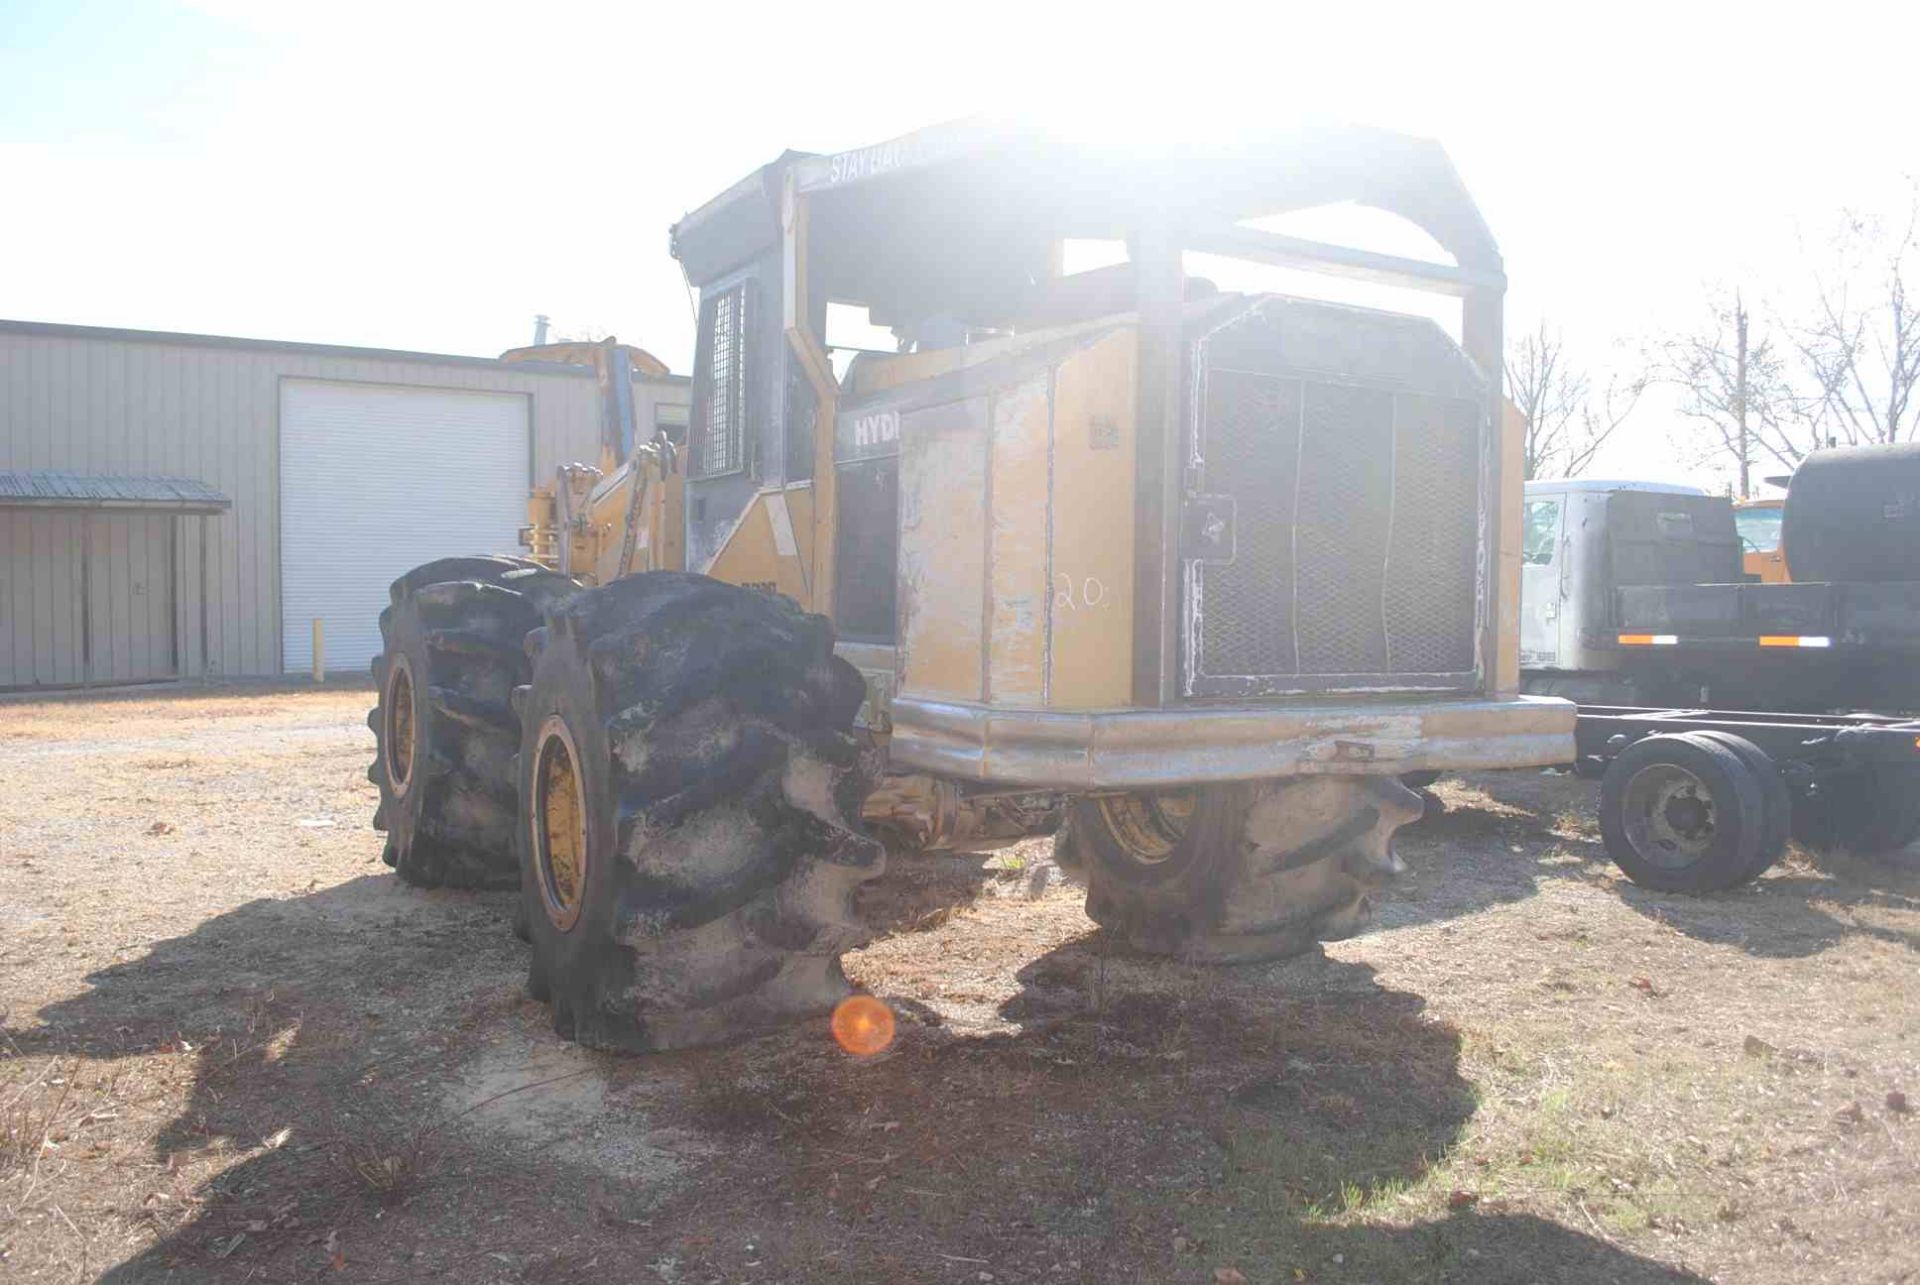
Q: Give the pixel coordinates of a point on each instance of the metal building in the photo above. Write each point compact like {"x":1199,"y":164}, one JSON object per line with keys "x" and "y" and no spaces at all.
{"x":178,"y":505}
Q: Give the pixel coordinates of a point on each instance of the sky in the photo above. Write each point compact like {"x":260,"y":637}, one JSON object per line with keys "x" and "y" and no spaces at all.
{"x":430,"y":176}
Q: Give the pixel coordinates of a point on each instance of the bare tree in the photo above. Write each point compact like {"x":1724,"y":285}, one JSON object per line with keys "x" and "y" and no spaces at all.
{"x":1567,"y":423}
{"x":1849,"y":372}
{"x":1861,"y":360}
{"x":1733,"y":385}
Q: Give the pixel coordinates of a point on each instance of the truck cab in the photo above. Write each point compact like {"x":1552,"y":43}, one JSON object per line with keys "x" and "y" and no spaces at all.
{"x":1635,"y":593}
{"x":1579,"y":537}
{"x":1763,"y":554}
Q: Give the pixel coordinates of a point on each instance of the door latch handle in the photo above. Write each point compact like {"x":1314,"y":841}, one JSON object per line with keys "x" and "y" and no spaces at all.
{"x":1206,"y":528}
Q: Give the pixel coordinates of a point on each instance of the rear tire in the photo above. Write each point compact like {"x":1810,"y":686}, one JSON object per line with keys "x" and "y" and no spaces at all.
{"x":444,"y":729}
{"x":1776,"y":804}
{"x":1870,"y":813}
{"x":1681,"y":814}
{"x":687,"y":774}
{"x":1240,"y":872}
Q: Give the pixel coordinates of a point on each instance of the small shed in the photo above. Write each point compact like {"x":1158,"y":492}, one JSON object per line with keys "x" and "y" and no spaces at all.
{"x":95,"y":580}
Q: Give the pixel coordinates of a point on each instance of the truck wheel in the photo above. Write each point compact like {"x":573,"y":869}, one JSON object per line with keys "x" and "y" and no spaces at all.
{"x":1869,"y":813}
{"x":443,"y":729}
{"x":1682,"y":815}
{"x":687,"y":775}
{"x":1776,"y":803}
{"x":1239,"y":872}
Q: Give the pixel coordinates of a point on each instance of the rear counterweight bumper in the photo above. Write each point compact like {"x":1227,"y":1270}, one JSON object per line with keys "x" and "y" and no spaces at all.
{"x":1193,"y":745}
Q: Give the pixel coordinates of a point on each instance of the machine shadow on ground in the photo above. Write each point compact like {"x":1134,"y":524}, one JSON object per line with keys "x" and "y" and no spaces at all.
{"x":1503,"y":832}
{"x":355,"y":1079}
{"x":1494,"y":838}
{"x":1794,"y":912}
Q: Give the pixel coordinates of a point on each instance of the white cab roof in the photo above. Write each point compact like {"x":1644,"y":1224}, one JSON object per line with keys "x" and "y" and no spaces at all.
{"x":1558,"y":485}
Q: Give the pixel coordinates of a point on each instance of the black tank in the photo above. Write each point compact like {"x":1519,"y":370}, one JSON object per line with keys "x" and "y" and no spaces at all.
{"x":1854,"y":514}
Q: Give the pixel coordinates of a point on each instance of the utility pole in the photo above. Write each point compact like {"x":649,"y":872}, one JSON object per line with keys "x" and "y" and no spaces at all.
{"x":1740,"y":387}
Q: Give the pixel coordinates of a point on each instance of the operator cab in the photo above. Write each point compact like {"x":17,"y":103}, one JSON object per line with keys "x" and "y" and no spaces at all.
{"x":952,"y":241}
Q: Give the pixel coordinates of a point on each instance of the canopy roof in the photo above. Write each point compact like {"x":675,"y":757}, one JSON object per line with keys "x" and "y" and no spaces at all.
{"x":962,"y":219}
{"x":53,"y":488}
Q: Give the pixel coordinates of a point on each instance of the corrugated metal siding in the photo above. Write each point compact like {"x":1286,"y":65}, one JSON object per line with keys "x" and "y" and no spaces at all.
{"x":132,"y":406}
{"x":40,"y":597}
{"x":130,"y":597}
{"x":86,"y":596}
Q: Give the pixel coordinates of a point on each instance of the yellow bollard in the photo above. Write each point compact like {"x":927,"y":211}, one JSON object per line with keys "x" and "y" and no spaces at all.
{"x":319,"y":651}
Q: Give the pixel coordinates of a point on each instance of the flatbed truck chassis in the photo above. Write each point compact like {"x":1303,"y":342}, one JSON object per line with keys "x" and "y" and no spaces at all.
{"x":1699,"y":800}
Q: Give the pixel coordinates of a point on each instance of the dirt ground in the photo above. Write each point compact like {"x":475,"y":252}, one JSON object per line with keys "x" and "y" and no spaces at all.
{"x":233,"y":1048}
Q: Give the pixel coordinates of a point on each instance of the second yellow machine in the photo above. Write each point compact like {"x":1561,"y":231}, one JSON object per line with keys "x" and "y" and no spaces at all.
{"x":1190,"y":577}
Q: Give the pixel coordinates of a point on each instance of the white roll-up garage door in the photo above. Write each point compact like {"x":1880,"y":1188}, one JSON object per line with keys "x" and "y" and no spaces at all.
{"x":375,"y":480}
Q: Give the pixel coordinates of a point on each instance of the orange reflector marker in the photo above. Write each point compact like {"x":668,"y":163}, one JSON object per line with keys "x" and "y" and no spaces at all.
{"x":862,"y":1025}
{"x":1794,"y":640}
{"x":1649,"y":640}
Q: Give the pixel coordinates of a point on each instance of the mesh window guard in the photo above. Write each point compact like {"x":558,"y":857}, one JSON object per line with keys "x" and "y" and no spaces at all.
{"x":722,"y":445}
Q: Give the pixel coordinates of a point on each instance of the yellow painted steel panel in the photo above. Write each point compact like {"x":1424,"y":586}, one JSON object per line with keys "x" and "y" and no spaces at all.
{"x":766,"y":549}
{"x":872,"y":374}
{"x":800,"y":508}
{"x":1017,"y":625}
{"x":1091,"y":578}
{"x":943,"y":545}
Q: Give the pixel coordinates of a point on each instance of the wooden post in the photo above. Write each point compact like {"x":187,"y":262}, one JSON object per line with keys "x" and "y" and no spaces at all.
{"x":319,"y":651}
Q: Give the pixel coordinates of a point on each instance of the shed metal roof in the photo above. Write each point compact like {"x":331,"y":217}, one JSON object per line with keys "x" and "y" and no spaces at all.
{"x":58,"y":330}
{"x":54,"y":488}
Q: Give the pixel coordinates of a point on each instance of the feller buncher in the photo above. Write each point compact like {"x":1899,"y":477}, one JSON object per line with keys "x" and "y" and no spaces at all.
{"x":1193,"y":577}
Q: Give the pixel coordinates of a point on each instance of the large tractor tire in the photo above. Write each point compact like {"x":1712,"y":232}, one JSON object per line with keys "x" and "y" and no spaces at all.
{"x":688,"y":778}
{"x":1238,"y":873}
{"x":445,"y":731}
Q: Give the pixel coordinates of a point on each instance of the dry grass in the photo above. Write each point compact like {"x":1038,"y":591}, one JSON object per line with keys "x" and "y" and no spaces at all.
{"x":234,"y":1049}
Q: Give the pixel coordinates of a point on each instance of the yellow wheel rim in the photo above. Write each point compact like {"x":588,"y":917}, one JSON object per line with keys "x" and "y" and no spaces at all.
{"x":559,"y":825}
{"x":401,"y":724}
{"x":1148,"y":827}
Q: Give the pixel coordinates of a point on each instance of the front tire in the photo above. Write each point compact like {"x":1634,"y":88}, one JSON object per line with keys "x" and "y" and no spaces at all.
{"x":1239,"y":872}
{"x":687,"y":772}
